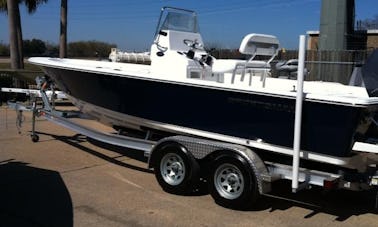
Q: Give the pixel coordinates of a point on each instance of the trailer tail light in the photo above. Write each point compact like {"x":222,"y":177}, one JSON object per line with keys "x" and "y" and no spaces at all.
{"x":374,"y":176}
{"x":331,"y":183}
{"x":374,"y":181}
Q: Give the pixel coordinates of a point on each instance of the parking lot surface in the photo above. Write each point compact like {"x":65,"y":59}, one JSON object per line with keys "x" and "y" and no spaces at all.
{"x":66,"y":179}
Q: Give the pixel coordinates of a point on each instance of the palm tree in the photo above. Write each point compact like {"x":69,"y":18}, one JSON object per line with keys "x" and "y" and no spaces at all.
{"x":15,"y":29}
{"x":63,"y":29}
{"x":12,"y":9}
{"x":31,"y":6}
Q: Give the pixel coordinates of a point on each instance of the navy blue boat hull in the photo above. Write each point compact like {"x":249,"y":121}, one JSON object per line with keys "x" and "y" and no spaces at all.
{"x":327,"y":128}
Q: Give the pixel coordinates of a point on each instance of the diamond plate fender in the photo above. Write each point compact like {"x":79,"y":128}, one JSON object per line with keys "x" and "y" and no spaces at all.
{"x":200,"y":148}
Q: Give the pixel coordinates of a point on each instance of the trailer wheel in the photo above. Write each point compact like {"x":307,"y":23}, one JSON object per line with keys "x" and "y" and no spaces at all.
{"x":34,"y":138}
{"x":176,"y":170}
{"x":232,"y":182}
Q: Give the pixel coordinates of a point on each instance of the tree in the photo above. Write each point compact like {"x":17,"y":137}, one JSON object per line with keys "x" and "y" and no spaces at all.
{"x":368,"y":23}
{"x":91,"y":49}
{"x":15,"y":29}
{"x":34,"y":47}
{"x":52,"y":49}
{"x":15,"y":57}
{"x":4,"y":49}
{"x":63,"y":29}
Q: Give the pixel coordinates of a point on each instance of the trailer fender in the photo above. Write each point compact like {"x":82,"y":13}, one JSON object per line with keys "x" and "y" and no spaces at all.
{"x":255,"y":163}
{"x":162,"y":143}
{"x":201,"y":148}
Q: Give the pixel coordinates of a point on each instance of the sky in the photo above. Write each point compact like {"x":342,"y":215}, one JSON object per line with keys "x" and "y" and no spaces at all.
{"x":131,"y":24}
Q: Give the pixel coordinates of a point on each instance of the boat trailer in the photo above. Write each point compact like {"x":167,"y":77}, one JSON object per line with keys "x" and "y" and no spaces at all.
{"x":176,"y":159}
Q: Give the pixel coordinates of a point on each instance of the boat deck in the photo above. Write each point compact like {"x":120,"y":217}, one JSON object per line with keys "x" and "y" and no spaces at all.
{"x":314,"y":90}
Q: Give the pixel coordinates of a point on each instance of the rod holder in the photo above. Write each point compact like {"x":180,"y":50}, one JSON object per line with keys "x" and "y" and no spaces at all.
{"x":298,"y":114}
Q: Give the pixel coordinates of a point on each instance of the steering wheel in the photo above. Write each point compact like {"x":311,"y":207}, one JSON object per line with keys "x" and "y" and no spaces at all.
{"x":194,"y":44}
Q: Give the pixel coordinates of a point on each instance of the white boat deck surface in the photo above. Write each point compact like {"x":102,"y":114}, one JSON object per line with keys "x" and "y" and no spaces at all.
{"x":314,"y":90}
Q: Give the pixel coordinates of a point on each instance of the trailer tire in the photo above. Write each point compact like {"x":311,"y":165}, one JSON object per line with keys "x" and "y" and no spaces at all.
{"x":34,"y":138}
{"x":232,"y":182}
{"x":176,"y":169}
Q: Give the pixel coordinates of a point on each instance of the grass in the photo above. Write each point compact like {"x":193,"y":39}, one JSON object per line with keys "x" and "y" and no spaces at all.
{"x":28,"y":66}
{"x":21,"y":79}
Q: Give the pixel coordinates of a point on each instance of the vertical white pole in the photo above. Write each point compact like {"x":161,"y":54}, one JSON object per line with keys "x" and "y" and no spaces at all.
{"x":298,"y":113}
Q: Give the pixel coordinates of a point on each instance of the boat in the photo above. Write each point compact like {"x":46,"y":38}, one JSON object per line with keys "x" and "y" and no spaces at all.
{"x":288,"y":69}
{"x":186,"y":91}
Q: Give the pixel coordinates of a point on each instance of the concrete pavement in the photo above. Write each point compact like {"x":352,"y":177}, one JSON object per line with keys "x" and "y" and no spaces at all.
{"x":68,"y":180}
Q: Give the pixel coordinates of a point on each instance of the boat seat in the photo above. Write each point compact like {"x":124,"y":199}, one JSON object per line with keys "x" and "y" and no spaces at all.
{"x":254,"y":45}
{"x":239,"y":67}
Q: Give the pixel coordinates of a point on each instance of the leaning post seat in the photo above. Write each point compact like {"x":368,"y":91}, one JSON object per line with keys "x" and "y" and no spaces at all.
{"x":254,"y":45}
